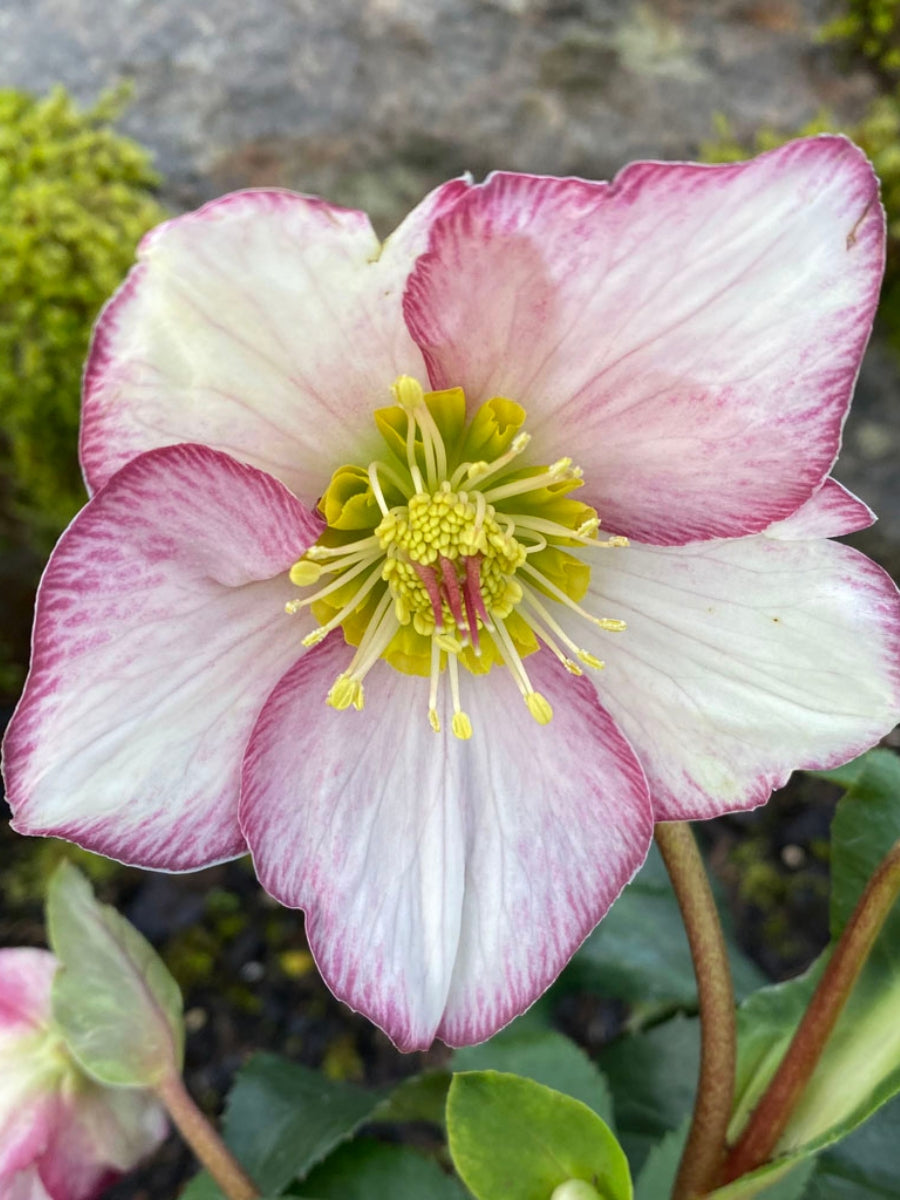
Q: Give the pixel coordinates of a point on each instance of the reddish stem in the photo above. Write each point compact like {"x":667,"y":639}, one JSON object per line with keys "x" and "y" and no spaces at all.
{"x":769,"y":1119}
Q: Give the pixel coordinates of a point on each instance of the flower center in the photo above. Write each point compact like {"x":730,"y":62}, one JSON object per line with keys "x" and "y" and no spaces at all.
{"x":445,"y":553}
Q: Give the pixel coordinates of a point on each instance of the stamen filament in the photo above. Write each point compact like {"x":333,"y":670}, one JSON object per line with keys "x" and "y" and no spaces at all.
{"x":461,"y":725}
{"x":529,"y":597}
{"x":433,"y":718}
{"x":431,"y":436}
{"x":608,"y":623}
{"x":316,"y":552}
{"x":562,"y":469}
{"x":313,"y":639}
{"x":336,"y":584}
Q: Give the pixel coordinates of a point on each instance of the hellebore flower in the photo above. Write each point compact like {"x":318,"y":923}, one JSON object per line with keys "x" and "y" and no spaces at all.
{"x":424,"y":753}
{"x":62,"y":1136}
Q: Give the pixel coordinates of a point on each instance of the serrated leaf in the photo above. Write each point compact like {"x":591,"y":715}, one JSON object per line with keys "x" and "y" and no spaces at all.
{"x":282,"y":1119}
{"x":640,"y":953}
{"x":514,"y":1139}
{"x":419,"y":1098}
{"x":658,"y":1172}
{"x":369,"y":1170}
{"x":864,"y":1165}
{"x":545,"y":1056}
{"x":653,"y":1078}
{"x":115,"y":1002}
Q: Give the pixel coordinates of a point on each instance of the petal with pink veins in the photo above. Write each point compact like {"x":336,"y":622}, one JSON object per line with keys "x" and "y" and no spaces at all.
{"x":160,"y":630}
{"x":267,"y":325}
{"x":831,"y":512}
{"x":102,"y":1134}
{"x":445,"y":883}
{"x":26,"y":976}
{"x":690,"y":333}
{"x":742,"y":661}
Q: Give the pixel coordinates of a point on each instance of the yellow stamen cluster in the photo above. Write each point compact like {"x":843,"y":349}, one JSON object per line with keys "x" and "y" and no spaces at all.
{"x":446,"y":552}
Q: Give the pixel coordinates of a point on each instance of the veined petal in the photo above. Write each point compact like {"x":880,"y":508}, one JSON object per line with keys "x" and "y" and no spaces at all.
{"x":24,"y":1185}
{"x":694,"y":330}
{"x":101,"y":1134}
{"x":266,"y":324}
{"x":445,"y":883}
{"x":831,"y":512}
{"x":160,"y":630}
{"x":744,"y":660}
{"x":26,"y":976}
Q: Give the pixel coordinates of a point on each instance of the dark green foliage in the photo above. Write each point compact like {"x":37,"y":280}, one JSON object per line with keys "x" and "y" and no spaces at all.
{"x":75,"y":198}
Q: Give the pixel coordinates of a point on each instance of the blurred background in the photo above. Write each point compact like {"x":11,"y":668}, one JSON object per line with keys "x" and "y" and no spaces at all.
{"x":116,"y":113}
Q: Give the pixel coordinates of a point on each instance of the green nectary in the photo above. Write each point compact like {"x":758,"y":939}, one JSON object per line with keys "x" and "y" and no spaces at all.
{"x":75,"y":198}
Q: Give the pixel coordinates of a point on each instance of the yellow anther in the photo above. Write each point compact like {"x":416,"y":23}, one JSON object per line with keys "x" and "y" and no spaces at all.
{"x":434,"y":720}
{"x":447,"y":642}
{"x":610,"y":624}
{"x":408,"y":392}
{"x":344,"y":692}
{"x":293,"y":606}
{"x":461,"y":726}
{"x":304,"y":572}
{"x":539,"y":707}
{"x":519,"y":442}
{"x":560,"y":467}
{"x":573,"y":667}
{"x":618,"y":541}
{"x":313,"y":639}
{"x":586,"y":528}
{"x":476,"y":470}
{"x":591,"y":660}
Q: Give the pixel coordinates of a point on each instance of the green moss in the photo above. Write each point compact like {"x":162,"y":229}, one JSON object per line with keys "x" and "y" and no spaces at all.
{"x":26,"y":872}
{"x":75,"y":198}
{"x":870,"y":28}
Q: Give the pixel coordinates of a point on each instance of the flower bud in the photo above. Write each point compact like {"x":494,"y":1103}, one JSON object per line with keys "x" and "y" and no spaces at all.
{"x":62,"y":1136}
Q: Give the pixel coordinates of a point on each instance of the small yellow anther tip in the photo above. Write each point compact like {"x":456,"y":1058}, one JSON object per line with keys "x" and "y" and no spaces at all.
{"x":591,"y":660}
{"x":539,"y":707}
{"x":434,"y":720}
{"x":344,"y":692}
{"x":293,"y":606}
{"x":303,"y":573}
{"x":313,"y":639}
{"x":407,"y":392}
{"x":610,"y":624}
{"x":461,"y":726}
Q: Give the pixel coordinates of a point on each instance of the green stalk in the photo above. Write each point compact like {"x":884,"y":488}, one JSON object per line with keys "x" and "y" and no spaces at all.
{"x":769,"y":1119}
{"x":704,"y":1151}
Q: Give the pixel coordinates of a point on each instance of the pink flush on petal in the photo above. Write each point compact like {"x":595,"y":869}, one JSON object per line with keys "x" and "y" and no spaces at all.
{"x":62,"y":1136}
{"x":370,"y":519}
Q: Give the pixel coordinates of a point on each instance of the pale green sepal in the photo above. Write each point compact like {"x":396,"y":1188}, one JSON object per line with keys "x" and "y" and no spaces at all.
{"x":513,"y":1139}
{"x":782,"y":1180}
{"x":114,"y":1001}
{"x":860,"y":1067}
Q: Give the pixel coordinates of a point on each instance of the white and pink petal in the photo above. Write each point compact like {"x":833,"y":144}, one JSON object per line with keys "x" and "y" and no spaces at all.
{"x":742,"y":661}
{"x":267,"y":325}
{"x":690,"y":333}
{"x":445,"y":883}
{"x":160,"y":630}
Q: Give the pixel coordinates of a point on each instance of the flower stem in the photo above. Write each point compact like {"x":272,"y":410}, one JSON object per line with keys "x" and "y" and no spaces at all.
{"x":204,"y":1141}
{"x":705,"y":1147}
{"x":770,"y":1117}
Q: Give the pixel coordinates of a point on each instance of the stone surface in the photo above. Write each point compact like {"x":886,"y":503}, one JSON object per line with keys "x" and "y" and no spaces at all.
{"x":372,"y":102}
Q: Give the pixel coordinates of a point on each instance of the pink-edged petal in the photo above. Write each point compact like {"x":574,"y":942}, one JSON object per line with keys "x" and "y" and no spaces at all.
{"x":691,"y":334}
{"x":24,"y":1185}
{"x":26,"y":975}
{"x":742,"y":661}
{"x":101,"y":1134}
{"x":29,"y":1110}
{"x":445,"y":883}
{"x":267,"y":325}
{"x":831,"y":512}
{"x":160,"y":630}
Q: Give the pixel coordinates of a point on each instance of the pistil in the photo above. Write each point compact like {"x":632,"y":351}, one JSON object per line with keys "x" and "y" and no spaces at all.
{"x":457,"y":544}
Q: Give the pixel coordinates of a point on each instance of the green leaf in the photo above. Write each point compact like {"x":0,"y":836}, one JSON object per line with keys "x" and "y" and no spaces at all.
{"x":419,"y":1098}
{"x":775,"y":1181}
{"x":864,"y":1165}
{"x":653,"y":1077}
{"x":369,"y":1170}
{"x":847,"y":774}
{"x":545,"y":1056}
{"x":658,"y":1172}
{"x":860,"y":1067}
{"x":115,"y":1002}
{"x":514,"y":1139}
{"x":639,"y":952}
{"x":282,"y":1119}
